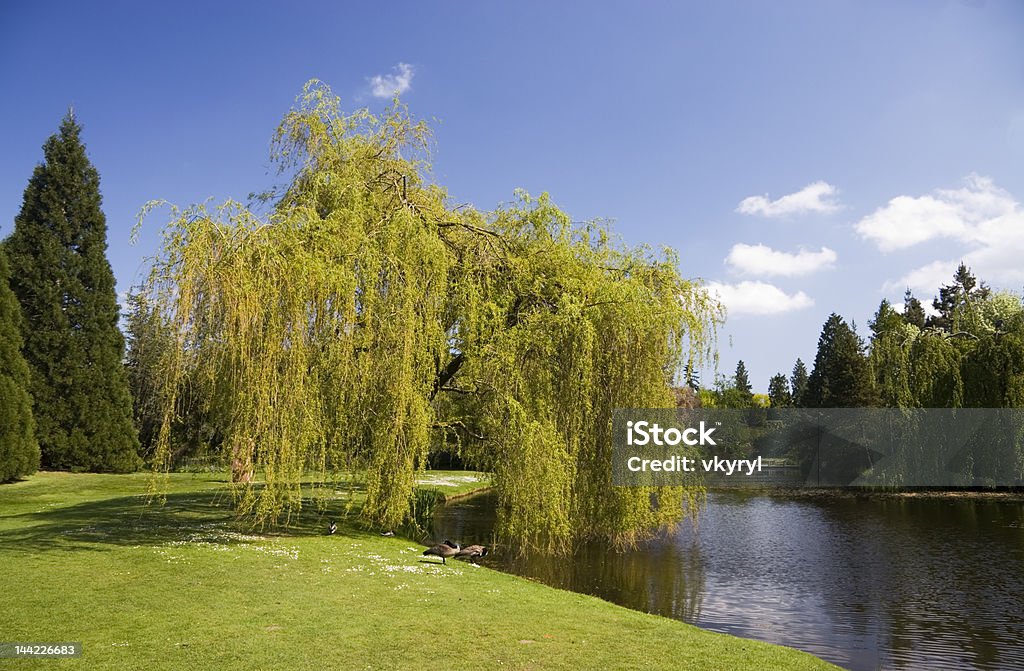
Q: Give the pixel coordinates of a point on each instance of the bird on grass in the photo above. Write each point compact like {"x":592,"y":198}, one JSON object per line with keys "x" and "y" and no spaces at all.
{"x":474,"y":552}
{"x":443,"y":550}
{"x":332,"y":527}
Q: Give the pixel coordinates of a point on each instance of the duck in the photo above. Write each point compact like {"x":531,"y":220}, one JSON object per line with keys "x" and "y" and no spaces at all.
{"x":473,"y":552}
{"x":443,"y":550}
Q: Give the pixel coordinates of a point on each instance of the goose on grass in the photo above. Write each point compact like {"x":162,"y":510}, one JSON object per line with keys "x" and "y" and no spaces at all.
{"x":474,"y":552}
{"x":443,"y":550}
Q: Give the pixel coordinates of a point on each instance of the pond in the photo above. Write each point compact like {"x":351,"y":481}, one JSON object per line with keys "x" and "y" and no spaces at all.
{"x":865,"y":583}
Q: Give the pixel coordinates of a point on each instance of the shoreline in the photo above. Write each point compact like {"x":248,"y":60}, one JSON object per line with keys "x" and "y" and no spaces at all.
{"x":451,"y":498}
{"x":1007,"y":495}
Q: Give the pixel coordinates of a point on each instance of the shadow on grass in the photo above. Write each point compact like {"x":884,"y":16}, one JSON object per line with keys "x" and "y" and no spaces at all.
{"x":136,"y":520}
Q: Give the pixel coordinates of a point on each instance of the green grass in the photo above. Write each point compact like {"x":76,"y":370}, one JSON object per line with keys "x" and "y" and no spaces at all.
{"x":180,"y":586}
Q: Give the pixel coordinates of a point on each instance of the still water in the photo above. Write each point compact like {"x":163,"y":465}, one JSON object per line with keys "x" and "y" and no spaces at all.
{"x":893,"y":583}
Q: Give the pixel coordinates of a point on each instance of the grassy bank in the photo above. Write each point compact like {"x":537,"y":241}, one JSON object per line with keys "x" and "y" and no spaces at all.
{"x":452,"y":485}
{"x":180,"y":586}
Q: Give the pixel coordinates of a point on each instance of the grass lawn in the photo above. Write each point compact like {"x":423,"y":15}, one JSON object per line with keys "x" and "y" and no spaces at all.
{"x":180,"y":586}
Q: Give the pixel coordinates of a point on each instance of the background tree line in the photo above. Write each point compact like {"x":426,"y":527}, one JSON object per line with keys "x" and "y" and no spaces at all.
{"x":969,"y":353}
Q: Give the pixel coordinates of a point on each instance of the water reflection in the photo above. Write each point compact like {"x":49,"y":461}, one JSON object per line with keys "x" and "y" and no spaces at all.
{"x":865,"y":583}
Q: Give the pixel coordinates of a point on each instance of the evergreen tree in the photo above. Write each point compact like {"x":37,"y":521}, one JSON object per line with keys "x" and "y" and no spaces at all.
{"x":64,"y":283}
{"x":19,"y":452}
{"x":148,"y":338}
{"x":798,"y":383}
{"x":955,"y":301}
{"x":913,"y":311}
{"x":778,"y":392}
{"x":742,"y":380}
{"x":841,"y":377}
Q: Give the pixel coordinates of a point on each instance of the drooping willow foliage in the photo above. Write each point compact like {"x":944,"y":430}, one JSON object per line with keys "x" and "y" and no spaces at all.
{"x":363,"y":319}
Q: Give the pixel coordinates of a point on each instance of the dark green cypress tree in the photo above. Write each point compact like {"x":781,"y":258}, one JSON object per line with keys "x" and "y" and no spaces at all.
{"x":778,"y":392}
{"x":742,"y":380}
{"x":913,"y":311}
{"x":19,"y":452}
{"x":798,"y":383}
{"x":61,"y":277}
{"x":841,"y":377}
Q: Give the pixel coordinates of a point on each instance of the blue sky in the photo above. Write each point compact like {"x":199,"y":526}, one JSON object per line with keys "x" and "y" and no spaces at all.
{"x":803,"y":157}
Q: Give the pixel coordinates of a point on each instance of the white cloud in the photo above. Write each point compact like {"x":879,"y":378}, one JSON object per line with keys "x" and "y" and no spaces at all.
{"x":763,"y":260}
{"x":757,"y":298}
{"x":815,"y":197}
{"x":960,"y":214}
{"x":386,"y":86}
{"x":907,"y":221}
{"x":985,"y":219}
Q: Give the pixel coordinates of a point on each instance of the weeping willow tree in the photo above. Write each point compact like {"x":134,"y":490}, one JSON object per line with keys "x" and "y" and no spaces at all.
{"x":361,"y":319}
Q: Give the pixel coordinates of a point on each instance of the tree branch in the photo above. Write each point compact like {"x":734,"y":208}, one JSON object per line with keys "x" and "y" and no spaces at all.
{"x":445,"y":376}
{"x":458,"y":425}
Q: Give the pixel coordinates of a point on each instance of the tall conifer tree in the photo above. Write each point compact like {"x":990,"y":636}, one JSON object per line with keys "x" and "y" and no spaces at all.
{"x":778,"y":392}
{"x":742,"y":380}
{"x":953,"y":305}
{"x":19,"y":452}
{"x":798,"y":383}
{"x":841,"y":377}
{"x":61,"y":277}
{"x":913,"y":311}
